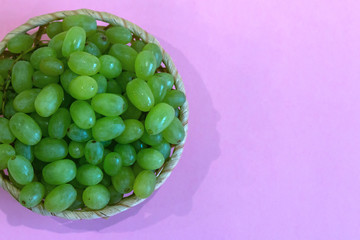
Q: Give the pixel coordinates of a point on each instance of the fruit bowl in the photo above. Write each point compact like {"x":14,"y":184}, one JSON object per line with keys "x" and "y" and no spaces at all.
{"x":36,"y":27}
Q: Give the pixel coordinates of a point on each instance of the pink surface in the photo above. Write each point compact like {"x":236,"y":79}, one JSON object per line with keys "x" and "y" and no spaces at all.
{"x":273,"y":146}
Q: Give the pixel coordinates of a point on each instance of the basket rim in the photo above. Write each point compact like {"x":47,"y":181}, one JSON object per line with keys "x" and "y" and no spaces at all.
{"x":169,"y":165}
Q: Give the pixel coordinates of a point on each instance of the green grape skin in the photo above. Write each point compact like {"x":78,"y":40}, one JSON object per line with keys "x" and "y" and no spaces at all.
{"x":106,"y":143}
{"x":96,"y":197}
{"x":21,"y":77}
{"x":137,"y":169}
{"x":163,"y":147}
{"x":89,"y":175}
{"x":134,"y":129}
{"x":113,"y":87}
{"x":127,"y":154}
{"x":131,"y":112}
{"x":167,"y":78}
{"x":6,"y":152}
{"x":76,"y":149}
{"x":66,"y":78}
{"x":110,"y":66}
{"x":54,"y":29}
{"x":51,"y":149}
{"x":112,"y":163}
{"x":145,"y":65}
{"x":60,"y":198}
{"x":124,"y":78}
{"x":51,"y":66}
{"x":48,"y":187}
{"x":56,"y":43}
{"x":123,"y":182}
{"x":155,"y":50}
{"x":20,"y":43}
{"x":177,"y":112}
{"x":24,"y":150}
{"x":158,"y":87}
{"x":68,"y":100}
{"x":106,"y":181}
{"x":41,"y":80}
{"x":86,"y":22}
{"x":74,"y":41}
{"x":144,"y":184}
{"x":5,"y":66}
{"x":108,"y":128}
{"x":43,"y":123}
{"x":101,"y":82}
{"x":150,"y":159}
{"x":49,"y":100}
{"x":175,"y":132}
{"x":83,"y":88}
{"x":32,"y":194}
{"x":108,"y":104}
{"x":78,"y":203}
{"x":115,"y":196}
{"x":139,"y":145}
{"x":24,"y":128}
{"x":151,"y":139}
{"x":39,"y":54}
{"x":138,"y":45}
{"x":59,"y":123}
{"x":24,"y":101}
{"x":77,"y":134}
{"x":82,"y":114}
{"x":119,"y":34}
{"x":126,"y":56}
{"x":20,"y":169}
{"x":16,"y":184}
{"x":94,"y":152}
{"x":175,"y":98}
{"x":140,"y":94}
{"x":101,"y":41}
{"x":92,"y":49}
{"x":59,"y":172}
{"x":159,"y":118}
{"x":6,"y":135}
{"x":84,"y":63}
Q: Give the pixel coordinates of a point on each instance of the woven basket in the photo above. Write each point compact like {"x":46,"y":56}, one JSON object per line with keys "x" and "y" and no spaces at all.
{"x":168,"y":66}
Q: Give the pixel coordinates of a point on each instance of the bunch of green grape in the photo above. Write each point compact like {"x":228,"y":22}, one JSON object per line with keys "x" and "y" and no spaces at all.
{"x":87,"y":115}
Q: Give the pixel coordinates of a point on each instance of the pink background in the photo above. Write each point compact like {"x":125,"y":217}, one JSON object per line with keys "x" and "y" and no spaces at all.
{"x":273,"y":150}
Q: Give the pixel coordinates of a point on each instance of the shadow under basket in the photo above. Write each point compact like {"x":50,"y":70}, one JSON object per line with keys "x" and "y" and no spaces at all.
{"x":36,"y":26}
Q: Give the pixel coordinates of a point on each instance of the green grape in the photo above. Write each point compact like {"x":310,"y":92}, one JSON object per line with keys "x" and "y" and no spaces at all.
{"x":151,"y":139}
{"x":138,"y":145}
{"x":140,"y":94}
{"x":54,"y":29}
{"x":5,"y":66}
{"x":155,"y":50}
{"x":59,"y":123}
{"x":41,"y":53}
{"x":101,"y":41}
{"x":83,"y":88}
{"x":66,"y":78}
{"x":106,"y":143}
{"x":74,"y":41}
{"x":112,"y":163}
{"x":21,"y":169}
{"x":92,"y":49}
{"x":158,"y":87}
{"x":57,"y":42}
{"x":96,"y":197}
{"x":32,"y":194}
{"x":41,"y":80}
{"x":6,"y":135}
{"x":124,"y":78}
{"x":127,"y":154}
{"x":175,"y":132}
{"x":101,"y":82}
{"x":16,"y":184}
{"x":51,"y":66}
{"x":60,"y":198}
{"x":76,"y":149}
{"x":110,"y":66}
{"x":78,"y":203}
{"x":134,"y":129}
{"x":48,"y":187}
{"x":82,"y":114}
{"x":86,"y":22}
{"x":43,"y":123}
{"x":177,"y":111}
{"x":94,"y":152}
{"x":6,"y":152}
{"x":84,"y":63}
{"x":144,"y":184}
{"x":164,"y":148}
{"x":175,"y":98}
{"x":106,"y":181}
{"x":119,"y":34}
{"x":166,"y":77}
{"x":20,"y":43}
{"x":115,"y":196}
{"x":25,"y":129}
{"x":113,"y":87}
{"x":21,"y":77}
{"x":59,"y":172}
{"x":150,"y":159}
{"x":131,"y":112}
{"x":24,"y":150}
{"x":89,"y":175}
{"x":125,"y":54}
{"x":145,"y":64}
{"x":137,"y":169}
{"x":159,"y":118}
{"x":49,"y":100}
{"x":24,"y":101}
{"x":108,"y":128}
{"x":138,"y":45}
{"x":51,"y":149}
{"x":123,"y":182}
{"x":108,"y":104}
{"x":77,"y":134}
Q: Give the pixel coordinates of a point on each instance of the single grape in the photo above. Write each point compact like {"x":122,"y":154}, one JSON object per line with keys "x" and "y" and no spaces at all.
{"x":6,"y":152}
{"x":21,"y":169}
{"x":92,"y":49}
{"x":82,"y":114}
{"x":155,"y":50}
{"x":175,"y":98}
{"x":51,"y":66}
{"x":54,"y":29}
{"x":123,"y":182}
{"x":144,"y":184}
{"x":101,"y":41}
{"x":140,"y":95}
{"x":59,"y":123}
{"x":49,"y":100}
{"x":112,"y":163}
{"x":166,"y":77}
{"x":94,"y":152}
{"x":32,"y":194}
{"x":108,"y":104}
{"x":24,"y":150}
{"x":86,"y":22}
{"x":110,"y":66}
{"x":84,"y":63}
{"x":76,"y":149}
{"x":89,"y":175}
{"x":41,"y":53}
{"x":74,"y":41}
{"x":21,"y":77}
{"x":24,"y":101}
{"x":138,"y":45}
{"x":60,"y":198}
{"x":159,"y":118}
{"x":96,"y":197}
{"x":134,"y":129}
{"x":83,"y":88}
{"x":125,"y":54}
{"x":51,"y":149}
{"x":151,"y":139}
{"x":127,"y":154}
{"x":6,"y":135}
{"x":145,"y":65}
{"x":150,"y":159}
{"x":175,"y":132}
{"x":25,"y":129}
{"x":59,"y":172}
{"x":77,"y":134}
{"x":108,"y":128}
{"x":163,"y":147}
{"x":41,"y":80}
{"x":118,"y":34}
{"x":20,"y":43}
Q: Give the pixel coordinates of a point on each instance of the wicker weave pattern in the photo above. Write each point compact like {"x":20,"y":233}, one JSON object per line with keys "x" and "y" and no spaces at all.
{"x":132,"y":200}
